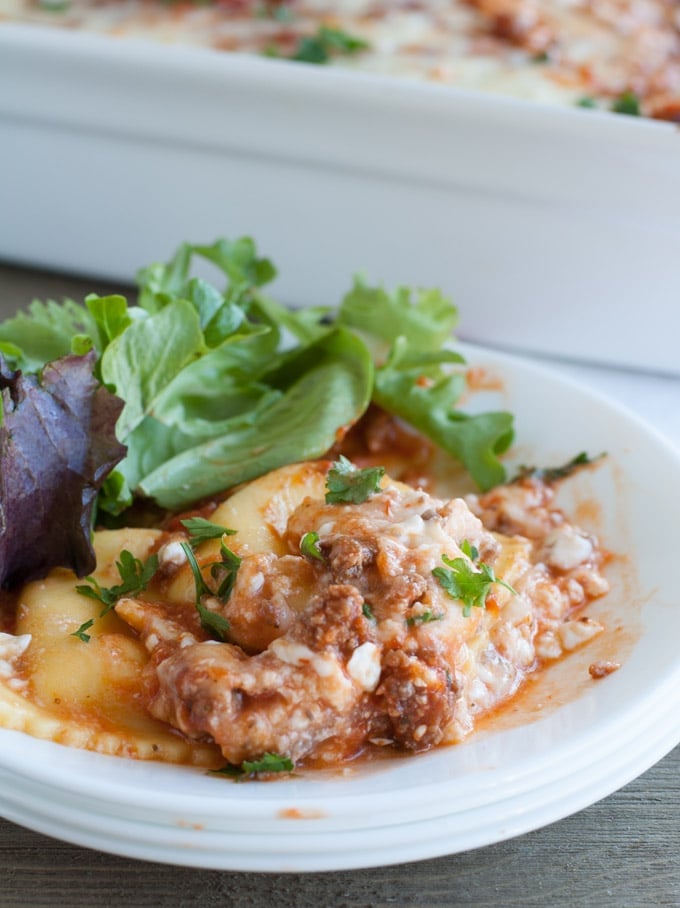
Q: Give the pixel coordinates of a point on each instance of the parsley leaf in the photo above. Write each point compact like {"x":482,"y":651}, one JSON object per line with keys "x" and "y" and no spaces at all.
{"x":424,"y":617}
{"x":201,"y":529}
{"x":628,"y":103}
{"x":81,"y":633}
{"x":201,"y":587}
{"x":322,"y":46}
{"x":224,"y":572}
{"x":268,"y":762}
{"x":309,"y":547}
{"x":462,"y":582}
{"x":135,"y":576}
{"x":214,"y":622}
{"x":470,"y":550}
{"x":345,"y":484}
{"x":367,"y":612}
{"x":553,"y":474}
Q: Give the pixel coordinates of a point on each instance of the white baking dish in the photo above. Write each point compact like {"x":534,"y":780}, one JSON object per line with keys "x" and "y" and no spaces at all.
{"x":555,"y":230}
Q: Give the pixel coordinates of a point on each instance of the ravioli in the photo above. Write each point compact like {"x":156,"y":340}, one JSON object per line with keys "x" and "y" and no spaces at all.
{"x":357,"y":642}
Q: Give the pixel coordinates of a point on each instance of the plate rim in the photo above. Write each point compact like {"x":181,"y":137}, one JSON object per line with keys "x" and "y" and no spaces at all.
{"x":659,"y":717}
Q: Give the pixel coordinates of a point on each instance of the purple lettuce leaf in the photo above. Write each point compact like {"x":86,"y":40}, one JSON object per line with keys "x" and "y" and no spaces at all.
{"x":57,"y":446}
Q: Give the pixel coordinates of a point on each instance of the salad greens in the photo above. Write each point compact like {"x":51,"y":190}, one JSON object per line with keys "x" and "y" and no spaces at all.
{"x":220,"y":385}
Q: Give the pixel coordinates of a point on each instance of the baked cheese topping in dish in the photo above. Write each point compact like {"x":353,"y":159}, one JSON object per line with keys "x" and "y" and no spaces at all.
{"x":621,"y":55}
{"x":334,"y":627}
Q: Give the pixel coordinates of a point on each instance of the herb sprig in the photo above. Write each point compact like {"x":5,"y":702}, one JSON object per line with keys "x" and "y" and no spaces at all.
{"x":309,"y":547}
{"x":321,"y":47}
{"x":224,"y":572}
{"x":200,"y":530}
{"x":426,"y":617}
{"x":468,"y":580}
{"x":135,"y":576}
{"x":345,"y":484}
{"x":267,"y":763}
{"x":554,"y":474}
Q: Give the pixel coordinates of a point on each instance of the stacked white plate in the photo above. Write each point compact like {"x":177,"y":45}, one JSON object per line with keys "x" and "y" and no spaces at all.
{"x":567,"y":741}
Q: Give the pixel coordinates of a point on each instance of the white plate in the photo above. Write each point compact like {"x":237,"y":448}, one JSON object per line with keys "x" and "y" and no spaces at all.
{"x":567,"y":742}
{"x":541,"y":219}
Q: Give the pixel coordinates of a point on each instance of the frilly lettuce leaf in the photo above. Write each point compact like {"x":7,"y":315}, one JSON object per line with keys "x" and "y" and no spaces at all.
{"x":427,"y":321}
{"x":44,"y":332}
{"x":300,"y":424}
{"x":415,"y":387}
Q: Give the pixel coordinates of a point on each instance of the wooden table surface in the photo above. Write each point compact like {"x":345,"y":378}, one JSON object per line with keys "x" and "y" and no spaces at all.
{"x":623,"y":851}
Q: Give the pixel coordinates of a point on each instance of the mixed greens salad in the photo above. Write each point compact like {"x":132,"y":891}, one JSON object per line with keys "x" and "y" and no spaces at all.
{"x":194,"y":389}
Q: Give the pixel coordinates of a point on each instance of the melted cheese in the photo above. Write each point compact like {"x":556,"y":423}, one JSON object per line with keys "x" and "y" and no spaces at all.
{"x":557,"y":51}
{"x":92,"y":694}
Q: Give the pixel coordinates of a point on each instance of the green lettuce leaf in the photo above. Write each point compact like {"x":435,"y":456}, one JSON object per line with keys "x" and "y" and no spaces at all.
{"x":419,"y":391}
{"x":427,"y":321}
{"x":45,"y":332}
{"x":300,"y":425}
{"x":140,"y":362}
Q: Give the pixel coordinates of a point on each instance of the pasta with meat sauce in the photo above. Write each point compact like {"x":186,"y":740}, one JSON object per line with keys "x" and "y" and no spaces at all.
{"x":334,"y":627}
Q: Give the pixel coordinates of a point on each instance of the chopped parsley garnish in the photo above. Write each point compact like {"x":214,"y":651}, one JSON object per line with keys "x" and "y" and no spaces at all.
{"x":224,"y":572}
{"x":135,"y":576}
{"x":628,"y":103}
{"x":470,"y":550}
{"x":462,"y":582}
{"x":268,"y":762}
{"x":309,"y":547}
{"x":54,"y":6}
{"x":345,"y":484}
{"x":424,"y":617}
{"x":553,"y":474}
{"x":200,"y":529}
{"x":81,"y":633}
{"x":321,"y":47}
{"x":213,"y":622}
{"x":367,"y":612}
{"x":202,"y":588}
{"x":587,"y":102}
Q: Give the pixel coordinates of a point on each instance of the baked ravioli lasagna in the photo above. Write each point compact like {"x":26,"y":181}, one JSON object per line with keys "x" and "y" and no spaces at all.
{"x":319,"y":612}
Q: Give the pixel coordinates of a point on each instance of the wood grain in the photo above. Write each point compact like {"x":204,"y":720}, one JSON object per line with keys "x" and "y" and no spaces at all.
{"x":622,"y":852}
